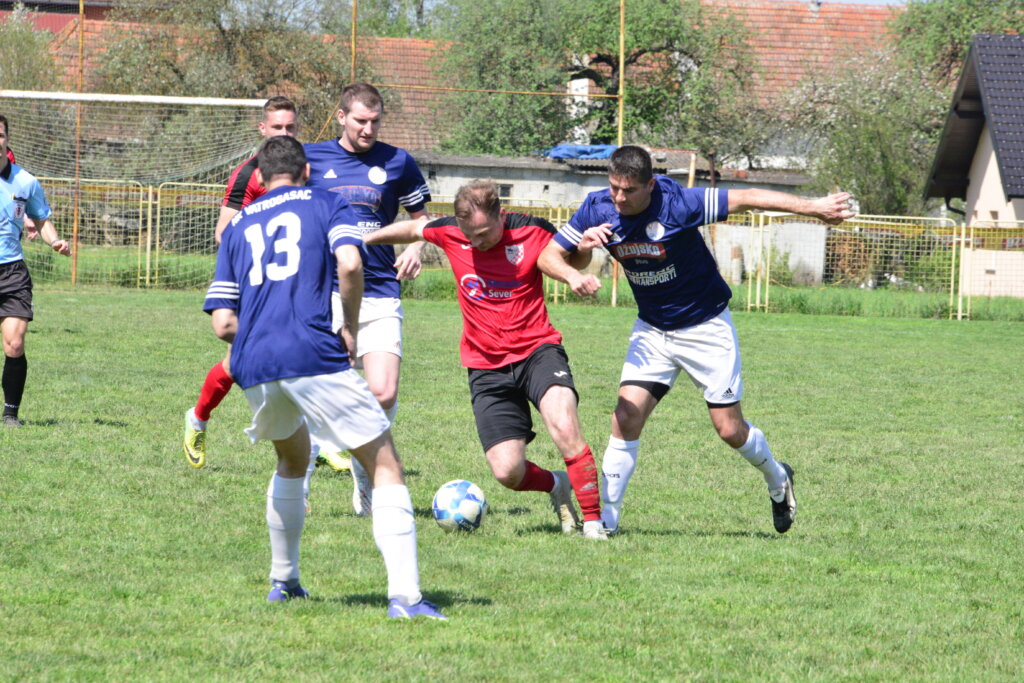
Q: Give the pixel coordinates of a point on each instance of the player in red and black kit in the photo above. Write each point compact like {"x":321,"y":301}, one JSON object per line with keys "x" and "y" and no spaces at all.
{"x":513,"y":354}
{"x":279,"y":118}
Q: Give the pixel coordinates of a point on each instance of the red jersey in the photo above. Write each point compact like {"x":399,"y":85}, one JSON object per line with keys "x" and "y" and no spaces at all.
{"x":10,"y":156}
{"x":501,"y":290}
{"x":243,"y":187}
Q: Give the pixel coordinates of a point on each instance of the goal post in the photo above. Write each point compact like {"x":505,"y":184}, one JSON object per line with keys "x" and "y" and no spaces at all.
{"x":103,"y":159}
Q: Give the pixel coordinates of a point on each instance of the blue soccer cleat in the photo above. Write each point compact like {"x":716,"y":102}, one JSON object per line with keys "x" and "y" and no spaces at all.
{"x":280,"y":592}
{"x":397,"y":610}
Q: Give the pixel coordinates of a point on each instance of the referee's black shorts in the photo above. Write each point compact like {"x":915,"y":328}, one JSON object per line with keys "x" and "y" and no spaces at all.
{"x":15,"y":290}
{"x":501,"y":396}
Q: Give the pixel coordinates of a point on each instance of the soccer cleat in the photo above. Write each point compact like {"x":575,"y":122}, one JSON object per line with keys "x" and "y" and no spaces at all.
{"x":784,"y":509}
{"x":561,"y":503}
{"x":195,"y":443}
{"x":397,"y":610}
{"x":280,"y":592}
{"x":12,"y":421}
{"x":362,"y":491}
{"x":594,"y":530}
{"x":336,"y":461}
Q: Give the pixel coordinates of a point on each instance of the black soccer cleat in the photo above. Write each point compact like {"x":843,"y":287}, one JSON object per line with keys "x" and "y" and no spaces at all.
{"x":784,"y":509}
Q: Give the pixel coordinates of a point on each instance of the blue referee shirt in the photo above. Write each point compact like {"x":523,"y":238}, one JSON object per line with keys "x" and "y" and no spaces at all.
{"x":20,"y":195}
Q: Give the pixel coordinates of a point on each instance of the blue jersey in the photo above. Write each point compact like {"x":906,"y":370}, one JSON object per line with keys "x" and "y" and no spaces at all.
{"x":274,"y":270}
{"x":20,"y":195}
{"x":375,"y":183}
{"x":674,"y":277}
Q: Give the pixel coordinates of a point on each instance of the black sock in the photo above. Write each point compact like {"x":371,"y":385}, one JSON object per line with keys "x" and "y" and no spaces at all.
{"x":15,"y":371}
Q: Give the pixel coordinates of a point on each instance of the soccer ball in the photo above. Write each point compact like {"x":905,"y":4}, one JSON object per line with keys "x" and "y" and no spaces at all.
{"x":459,"y":505}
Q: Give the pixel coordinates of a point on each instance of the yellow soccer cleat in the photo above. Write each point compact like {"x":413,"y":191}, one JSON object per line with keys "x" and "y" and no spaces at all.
{"x":336,"y":461}
{"x":195,"y":443}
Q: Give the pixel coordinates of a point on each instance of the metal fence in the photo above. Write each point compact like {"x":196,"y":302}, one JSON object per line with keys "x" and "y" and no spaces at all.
{"x":133,"y":235}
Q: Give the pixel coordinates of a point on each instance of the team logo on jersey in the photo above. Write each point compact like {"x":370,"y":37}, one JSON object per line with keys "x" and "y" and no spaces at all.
{"x":639,"y":250}
{"x":514,"y":253}
{"x":19,"y":208}
{"x":655,"y":230}
{"x":330,"y":173}
{"x":377,"y":175}
{"x":473,"y":286}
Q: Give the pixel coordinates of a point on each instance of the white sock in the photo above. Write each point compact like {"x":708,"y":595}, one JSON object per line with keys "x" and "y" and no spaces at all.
{"x":286,"y":514}
{"x":391,"y":412}
{"x":315,"y":451}
{"x":394,"y":530}
{"x":197,"y":424}
{"x":757,"y":453}
{"x":617,"y":467}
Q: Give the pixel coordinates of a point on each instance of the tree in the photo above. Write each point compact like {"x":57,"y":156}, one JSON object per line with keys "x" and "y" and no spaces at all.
{"x":938,"y":33}
{"x":391,"y":18}
{"x":224,"y":48}
{"x":681,"y":65}
{"x":25,"y":59}
{"x":877,"y":122}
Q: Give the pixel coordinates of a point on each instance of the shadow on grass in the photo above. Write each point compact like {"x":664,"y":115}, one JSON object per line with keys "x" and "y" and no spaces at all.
{"x":440,"y":598}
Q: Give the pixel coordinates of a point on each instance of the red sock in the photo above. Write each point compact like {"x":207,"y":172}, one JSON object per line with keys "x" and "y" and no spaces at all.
{"x":536,"y":479}
{"x":583,"y":477}
{"x":215,"y":388}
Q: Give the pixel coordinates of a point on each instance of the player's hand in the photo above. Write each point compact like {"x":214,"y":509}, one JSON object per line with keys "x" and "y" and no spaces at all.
{"x":348,"y":338}
{"x":61,"y":247}
{"x":835,"y":208}
{"x":584,"y":284}
{"x":594,"y":237}
{"x":31,"y":231}
{"x":408,"y":264}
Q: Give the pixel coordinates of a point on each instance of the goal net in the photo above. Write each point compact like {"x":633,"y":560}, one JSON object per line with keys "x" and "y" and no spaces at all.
{"x":135,"y":181}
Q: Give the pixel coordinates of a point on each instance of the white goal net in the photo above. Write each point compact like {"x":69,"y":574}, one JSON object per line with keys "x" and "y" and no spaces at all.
{"x":136,"y":181}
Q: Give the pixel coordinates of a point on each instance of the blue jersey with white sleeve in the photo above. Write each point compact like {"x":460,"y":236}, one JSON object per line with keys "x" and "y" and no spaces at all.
{"x":274,"y":270}
{"x":674,"y":278}
{"x":375,"y":183}
{"x":20,"y":195}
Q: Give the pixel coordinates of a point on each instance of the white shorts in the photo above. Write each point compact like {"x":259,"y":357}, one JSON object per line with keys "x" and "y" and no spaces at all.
{"x":380,"y":324}
{"x":340,"y":410}
{"x":709,"y":353}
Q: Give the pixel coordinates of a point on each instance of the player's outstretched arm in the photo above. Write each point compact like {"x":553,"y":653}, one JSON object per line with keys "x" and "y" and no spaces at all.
{"x":225,"y":323}
{"x":832,"y":209}
{"x":408,"y":264}
{"x":49,"y":235}
{"x":402,"y":232}
{"x":557,"y":262}
{"x":350,"y":287}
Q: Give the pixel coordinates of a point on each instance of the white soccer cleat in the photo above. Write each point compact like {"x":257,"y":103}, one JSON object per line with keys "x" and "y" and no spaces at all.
{"x":561,"y":503}
{"x":594,"y":530}
{"x":362,"y":490}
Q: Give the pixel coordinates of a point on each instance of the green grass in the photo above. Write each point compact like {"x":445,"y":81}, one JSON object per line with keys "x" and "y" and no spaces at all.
{"x":119,"y":562}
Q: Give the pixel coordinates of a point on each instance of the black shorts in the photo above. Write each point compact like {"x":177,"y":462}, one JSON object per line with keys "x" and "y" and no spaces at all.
{"x":501,"y":396}
{"x":15,"y":290}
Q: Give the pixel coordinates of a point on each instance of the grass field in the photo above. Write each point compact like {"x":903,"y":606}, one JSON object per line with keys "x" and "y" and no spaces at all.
{"x":119,"y":562}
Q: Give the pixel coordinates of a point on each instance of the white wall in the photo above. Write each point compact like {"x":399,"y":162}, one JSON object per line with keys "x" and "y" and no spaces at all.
{"x":985,"y":198}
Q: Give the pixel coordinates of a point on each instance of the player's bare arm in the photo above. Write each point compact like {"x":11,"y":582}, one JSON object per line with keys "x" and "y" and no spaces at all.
{"x":50,"y":238}
{"x":402,"y":232}
{"x":556,"y":262}
{"x":408,"y":264}
{"x":225,"y":216}
{"x":350,"y":287}
{"x":832,"y":209}
{"x":225,"y":323}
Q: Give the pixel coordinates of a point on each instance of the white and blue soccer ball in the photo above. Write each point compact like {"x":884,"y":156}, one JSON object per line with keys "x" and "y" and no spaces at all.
{"x":459,"y":505}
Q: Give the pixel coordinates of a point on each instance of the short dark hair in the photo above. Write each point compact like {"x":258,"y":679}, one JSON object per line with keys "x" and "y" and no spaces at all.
{"x":7,"y":126}
{"x":363,"y":93}
{"x":477,"y":195}
{"x":281,"y":155}
{"x":277,"y":103}
{"x":631,"y":161}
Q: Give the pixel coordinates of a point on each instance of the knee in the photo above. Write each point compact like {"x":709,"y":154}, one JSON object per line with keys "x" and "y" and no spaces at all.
{"x":733,"y":432}
{"x":627,"y":420}
{"x":385,"y":394}
{"x":14,"y":348}
{"x":509,"y":479}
